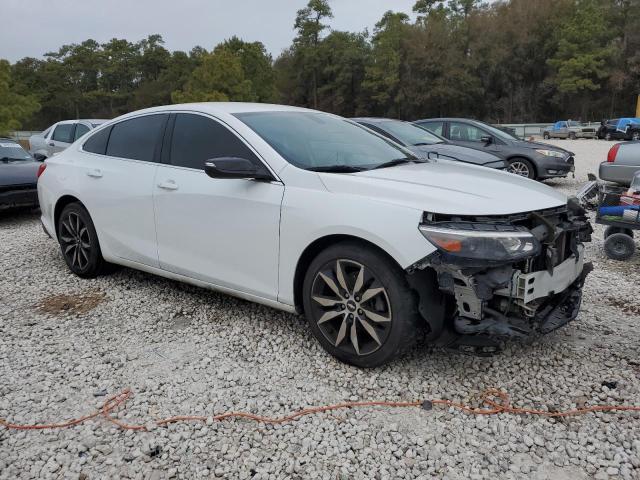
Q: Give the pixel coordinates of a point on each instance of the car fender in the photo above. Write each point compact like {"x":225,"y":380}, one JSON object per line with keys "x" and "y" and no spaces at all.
{"x":391,"y":228}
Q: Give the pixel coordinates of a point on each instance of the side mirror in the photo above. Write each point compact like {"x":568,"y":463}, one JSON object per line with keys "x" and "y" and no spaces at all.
{"x":233,"y":167}
{"x":39,"y":157}
{"x":433,"y":156}
{"x":487,"y":139}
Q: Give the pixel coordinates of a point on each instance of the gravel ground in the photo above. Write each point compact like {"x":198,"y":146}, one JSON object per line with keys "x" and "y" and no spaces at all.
{"x":66,"y":343}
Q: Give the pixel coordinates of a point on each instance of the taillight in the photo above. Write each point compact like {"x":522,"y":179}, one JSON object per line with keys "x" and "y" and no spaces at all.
{"x":611,"y":156}
{"x":41,"y":169}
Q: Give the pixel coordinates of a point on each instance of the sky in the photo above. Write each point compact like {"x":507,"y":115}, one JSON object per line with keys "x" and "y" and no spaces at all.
{"x":34,"y":27}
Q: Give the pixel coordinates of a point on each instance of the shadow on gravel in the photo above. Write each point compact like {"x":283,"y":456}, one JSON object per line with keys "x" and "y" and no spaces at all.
{"x":18,"y":216}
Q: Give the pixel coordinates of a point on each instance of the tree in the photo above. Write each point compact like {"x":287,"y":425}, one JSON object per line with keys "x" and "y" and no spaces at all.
{"x":310,"y":27}
{"x":14,"y":108}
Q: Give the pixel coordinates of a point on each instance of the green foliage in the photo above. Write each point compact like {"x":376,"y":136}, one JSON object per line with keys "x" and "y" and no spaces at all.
{"x":14,"y":108}
{"x":503,"y":61}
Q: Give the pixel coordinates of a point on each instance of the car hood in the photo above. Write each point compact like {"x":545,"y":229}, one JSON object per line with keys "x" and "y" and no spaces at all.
{"x":20,"y":172}
{"x":463,"y":154}
{"x":448,"y":187}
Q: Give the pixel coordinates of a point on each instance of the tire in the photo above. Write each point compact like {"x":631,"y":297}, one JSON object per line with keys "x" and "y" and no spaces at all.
{"x":546,"y":136}
{"x":386,"y":324}
{"x":608,"y":137}
{"x":522,"y":167}
{"x":79,"y":242}
{"x":619,"y":246}
{"x":635,"y":135}
{"x":572,"y":136}
{"x":610,"y":230}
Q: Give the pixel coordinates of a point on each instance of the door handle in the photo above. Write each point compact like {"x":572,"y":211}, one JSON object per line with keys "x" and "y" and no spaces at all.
{"x":95,"y":173}
{"x":168,"y":185}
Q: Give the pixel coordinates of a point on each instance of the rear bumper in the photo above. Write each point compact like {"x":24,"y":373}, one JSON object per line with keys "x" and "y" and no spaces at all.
{"x":622,"y":174}
{"x":23,"y":197}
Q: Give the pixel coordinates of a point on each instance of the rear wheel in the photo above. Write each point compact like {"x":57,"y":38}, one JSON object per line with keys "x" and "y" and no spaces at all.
{"x":522,"y":167}
{"x":608,"y":137}
{"x":79,"y":242}
{"x":619,"y":246}
{"x":359,"y":305}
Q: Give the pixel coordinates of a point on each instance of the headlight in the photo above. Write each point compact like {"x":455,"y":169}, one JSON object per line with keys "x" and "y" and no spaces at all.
{"x":492,"y":245}
{"x":550,"y":153}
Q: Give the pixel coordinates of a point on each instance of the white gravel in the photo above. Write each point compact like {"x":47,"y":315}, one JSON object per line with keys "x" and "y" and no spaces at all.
{"x":183,"y":350}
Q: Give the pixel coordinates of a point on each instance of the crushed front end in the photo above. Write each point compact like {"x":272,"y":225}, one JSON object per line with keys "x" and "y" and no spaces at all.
{"x":504,"y":277}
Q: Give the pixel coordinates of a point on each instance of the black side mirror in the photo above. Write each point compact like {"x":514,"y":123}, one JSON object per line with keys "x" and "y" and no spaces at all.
{"x":232,"y":167}
{"x":39,"y":157}
{"x":433,"y":155}
{"x":486,"y":139}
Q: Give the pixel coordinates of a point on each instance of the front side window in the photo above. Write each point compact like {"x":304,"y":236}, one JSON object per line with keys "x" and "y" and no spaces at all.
{"x":137,"y":138}
{"x":64,"y":133}
{"x":313,"y":140}
{"x":81,"y":129}
{"x":465,"y":133}
{"x":197,"y":139}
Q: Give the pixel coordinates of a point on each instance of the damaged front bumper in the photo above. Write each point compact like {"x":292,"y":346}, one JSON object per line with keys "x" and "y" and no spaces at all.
{"x":488,"y":302}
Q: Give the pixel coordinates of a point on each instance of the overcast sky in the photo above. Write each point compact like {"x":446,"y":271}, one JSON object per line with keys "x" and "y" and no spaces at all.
{"x":33,"y":27}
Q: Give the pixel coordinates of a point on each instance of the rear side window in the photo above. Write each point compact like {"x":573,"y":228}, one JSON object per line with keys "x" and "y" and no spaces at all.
{"x":197,"y":139}
{"x":136,"y":139}
{"x":97,"y":143}
{"x":64,"y":133}
{"x":81,"y":129}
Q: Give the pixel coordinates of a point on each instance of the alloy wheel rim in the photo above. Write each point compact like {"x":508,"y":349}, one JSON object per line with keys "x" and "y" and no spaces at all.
{"x":76,"y":244}
{"x":351,"y":307}
{"x":619,"y":247}
{"x":635,"y":136}
{"x":519,"y":168}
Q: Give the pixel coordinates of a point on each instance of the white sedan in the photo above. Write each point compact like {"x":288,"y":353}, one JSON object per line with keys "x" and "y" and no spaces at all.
{"x":309,"y":212}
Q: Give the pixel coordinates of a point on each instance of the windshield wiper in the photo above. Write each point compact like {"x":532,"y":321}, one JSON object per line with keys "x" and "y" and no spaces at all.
{"x":422,"y":144}
{"x":398,"y":161}
{"x":336,"y":169}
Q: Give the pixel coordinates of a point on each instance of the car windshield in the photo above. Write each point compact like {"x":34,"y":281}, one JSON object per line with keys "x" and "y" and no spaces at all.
{"x":409,"y":133}
{"x":13,"y":152}
{"x":319,"y":141}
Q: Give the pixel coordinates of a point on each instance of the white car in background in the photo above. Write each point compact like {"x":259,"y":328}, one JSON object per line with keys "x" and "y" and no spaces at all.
{"x":59,"y":136}
{"x":309,"y":212}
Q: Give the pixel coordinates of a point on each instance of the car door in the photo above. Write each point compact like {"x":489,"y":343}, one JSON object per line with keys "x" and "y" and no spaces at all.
{"x":561,"y":130}
{"x":61,"y":137}
{"x":221,"y":231}
{"x":117,"y":173}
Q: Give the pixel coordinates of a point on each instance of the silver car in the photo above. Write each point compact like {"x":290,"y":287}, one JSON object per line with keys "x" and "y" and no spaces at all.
{"x":59,"y":136}
{"x":623,"y":161}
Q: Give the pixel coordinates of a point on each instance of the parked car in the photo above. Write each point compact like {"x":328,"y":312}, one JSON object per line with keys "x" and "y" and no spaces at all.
{"x":620,"y":129}
{"x":309,"y":212}
{"x":569,"y":129}
{"x":59,"y":136}
{"x":623,"y":161}
{"x":528,"y":159}
{"x":422,"y":142}
{"x":18,"y":174}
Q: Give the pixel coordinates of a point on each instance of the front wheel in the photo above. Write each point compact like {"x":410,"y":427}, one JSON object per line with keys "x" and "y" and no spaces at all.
{"x":635,"y":135}
{"x":522,"y":167}
{"x":546,"y":136}
{"x":608,"y":137}
{"x":572,"y":136}
{"x":79,"y":242}
{"x":359,"y":305}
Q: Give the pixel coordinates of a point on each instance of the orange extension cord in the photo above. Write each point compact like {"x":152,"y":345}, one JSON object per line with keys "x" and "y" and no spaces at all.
{"x":495,"y":402}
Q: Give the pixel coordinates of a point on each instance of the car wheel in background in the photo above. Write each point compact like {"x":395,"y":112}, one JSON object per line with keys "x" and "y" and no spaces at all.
{"x":607,"y":136}
{"x":79,"y":242}
{"x":522,"y":167}
{"x":619,"y":246}
{"x":546,"y":136}
{"x":359,"y":305}
{"x":572,"y":136}
{"x":635,"y":135}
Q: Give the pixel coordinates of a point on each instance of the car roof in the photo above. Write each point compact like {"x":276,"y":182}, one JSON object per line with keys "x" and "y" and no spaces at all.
{"x":448,"y":119}
{"x":220,"y":108}
{"x":376,"y":119}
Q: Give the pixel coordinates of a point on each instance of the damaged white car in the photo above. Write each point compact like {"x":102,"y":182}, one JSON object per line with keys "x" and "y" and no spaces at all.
{"x":309,"y":212}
